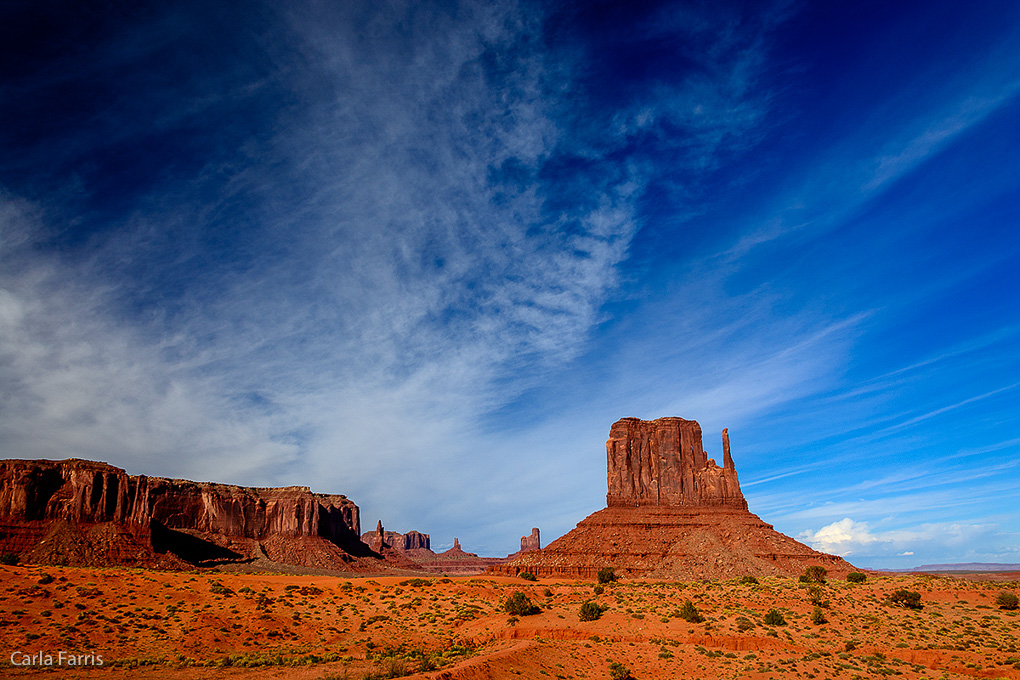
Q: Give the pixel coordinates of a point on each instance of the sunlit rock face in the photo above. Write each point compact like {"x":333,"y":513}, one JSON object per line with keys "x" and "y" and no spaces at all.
{"x":671,"y":513}
{"x":52,"y":507}
{"x":663,"y":462}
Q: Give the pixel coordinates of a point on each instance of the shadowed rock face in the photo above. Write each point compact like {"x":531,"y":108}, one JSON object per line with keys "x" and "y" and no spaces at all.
{"x":83,"y":492}
{"x":663,"y":462}
{"x":532,"y":542}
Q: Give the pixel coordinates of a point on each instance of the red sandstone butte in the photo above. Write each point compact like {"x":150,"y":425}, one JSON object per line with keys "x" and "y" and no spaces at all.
{"x":671,"y":513}
{"x":532,"y":542}
{"x":412,"y":540}
{"x":81,"y":512}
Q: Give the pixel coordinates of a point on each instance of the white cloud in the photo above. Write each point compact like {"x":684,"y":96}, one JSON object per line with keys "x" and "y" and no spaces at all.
{"x":843,"y":538}
{"x":387,"y":294}
{"x":951,"y":541}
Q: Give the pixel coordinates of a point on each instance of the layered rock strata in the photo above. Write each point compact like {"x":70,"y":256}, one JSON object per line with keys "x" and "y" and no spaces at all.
{"x":66,"y":502}
{"x":531,"y":542}
{"x":671,"y":512}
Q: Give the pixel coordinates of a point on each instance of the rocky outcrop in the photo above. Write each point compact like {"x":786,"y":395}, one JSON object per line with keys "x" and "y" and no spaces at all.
{"x":671,"y":513}
{"x":168,"y":515}
{"x":412,"y":540}
{"x":532,"y":542}
{"x":662,"y":462}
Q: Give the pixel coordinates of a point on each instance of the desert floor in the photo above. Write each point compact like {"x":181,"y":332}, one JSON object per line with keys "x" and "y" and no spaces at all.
{"x":147,"y":624}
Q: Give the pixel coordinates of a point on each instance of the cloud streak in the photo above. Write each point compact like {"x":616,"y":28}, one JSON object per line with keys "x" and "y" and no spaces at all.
{"x":421,"y":234}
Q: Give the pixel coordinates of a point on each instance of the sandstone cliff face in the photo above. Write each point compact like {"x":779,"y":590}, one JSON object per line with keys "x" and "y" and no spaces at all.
{"x":532,"y":542}
{"x":87,"y":492}
{"x":39,"y":493}
{"x":662,"y":462}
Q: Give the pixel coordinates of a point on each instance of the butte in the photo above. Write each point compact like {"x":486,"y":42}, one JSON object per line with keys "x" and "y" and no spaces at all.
{"x":672,"y":513}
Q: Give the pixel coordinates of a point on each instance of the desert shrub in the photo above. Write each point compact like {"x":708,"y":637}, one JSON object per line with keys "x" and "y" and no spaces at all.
{"x":591,"y":611}
{"x":774,"y":618}
{"x":87,"y":591}
{"x":815,"y":596}
{"x":908,"y":599}
{"x":519,"y":604}
{"x":370,"y":620}
{"x":817,"y":616}
{"x":1007,"y":600}
{"x":9,"y":558}
{"x":748,"y":580}
{"x":528,"y":576}
{"x":744,"y":624}
{"x":217,"y":588}
{"x":46,"y":579}
{"x":856,"y":577}
{"x":813,"y":574}
{"x":690,"y":613}
{"x":607,"y":575}
{"x":599,"y":589}
{"x":547,"y":592}
{"x":617,"y":671}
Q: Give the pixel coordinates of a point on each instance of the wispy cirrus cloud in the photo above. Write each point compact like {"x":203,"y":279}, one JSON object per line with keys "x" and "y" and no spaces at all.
{"x":412,"y":230}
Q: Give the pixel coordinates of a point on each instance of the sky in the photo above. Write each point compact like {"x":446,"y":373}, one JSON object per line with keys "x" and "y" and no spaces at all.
{"x":424,"y":254}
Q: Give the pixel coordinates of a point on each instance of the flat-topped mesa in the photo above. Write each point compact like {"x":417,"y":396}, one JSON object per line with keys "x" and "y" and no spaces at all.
{"x":38,"y":495}
{"x":662,"y":462}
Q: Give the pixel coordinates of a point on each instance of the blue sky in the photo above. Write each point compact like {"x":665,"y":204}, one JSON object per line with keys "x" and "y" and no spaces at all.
{"x":424,"y":254}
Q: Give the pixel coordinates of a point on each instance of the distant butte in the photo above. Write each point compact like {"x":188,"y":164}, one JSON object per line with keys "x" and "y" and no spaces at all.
{"x":672,"y":512}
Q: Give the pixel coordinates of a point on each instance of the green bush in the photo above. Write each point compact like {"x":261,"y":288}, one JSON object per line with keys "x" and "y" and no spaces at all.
{"x":46,"y":579}
{"x":518,"y":604}
{"x":1007,"y":600}
{"x":528,"y":576}
{"x":607,"y":575}
{"x":906,"y":598}
{"x":815,"y":596}
{"x":690,"y":613}
{"x":617,"y":671}
{"x":591,"y":611}
{"x":9,"y":558}
{"x":813,"y":574}
{"x":856,"y":577}
{"x":599,"y":589}
{"x":748,"y":580}
{"x":217,"y":588}
{"x":774,"y":618}
{"x":818,"y":616}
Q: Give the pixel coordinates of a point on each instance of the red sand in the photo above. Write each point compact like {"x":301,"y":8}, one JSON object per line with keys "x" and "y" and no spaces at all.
{"x":150,"y":624}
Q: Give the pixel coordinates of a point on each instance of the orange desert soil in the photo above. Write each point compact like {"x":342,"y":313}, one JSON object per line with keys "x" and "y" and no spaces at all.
{"x":152,"y":624}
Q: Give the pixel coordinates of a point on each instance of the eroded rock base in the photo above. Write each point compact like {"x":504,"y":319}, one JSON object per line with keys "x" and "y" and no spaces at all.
{"x":673,"y":543}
